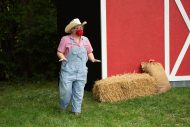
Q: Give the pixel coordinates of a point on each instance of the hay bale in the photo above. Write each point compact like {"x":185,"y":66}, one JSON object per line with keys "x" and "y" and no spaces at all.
{"x":123,"y":87}
{"x":156,"y":70}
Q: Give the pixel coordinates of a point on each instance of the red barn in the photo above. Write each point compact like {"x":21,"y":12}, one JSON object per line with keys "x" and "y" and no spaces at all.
{"x":138,"y":30}
{"x":132,"y":31}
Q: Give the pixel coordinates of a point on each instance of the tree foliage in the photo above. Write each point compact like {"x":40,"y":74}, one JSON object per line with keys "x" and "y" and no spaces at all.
{"x":27,"y":39}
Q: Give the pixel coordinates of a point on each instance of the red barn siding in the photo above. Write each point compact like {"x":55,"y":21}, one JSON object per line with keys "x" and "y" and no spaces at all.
{"x":135,"y":33}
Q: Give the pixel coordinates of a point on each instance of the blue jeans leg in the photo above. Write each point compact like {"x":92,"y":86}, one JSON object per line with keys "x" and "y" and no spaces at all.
{"x":77,"y":95}
{"x":65,"y":91}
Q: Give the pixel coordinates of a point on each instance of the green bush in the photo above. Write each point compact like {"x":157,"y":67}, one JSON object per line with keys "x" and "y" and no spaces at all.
{"x":27,"y":39}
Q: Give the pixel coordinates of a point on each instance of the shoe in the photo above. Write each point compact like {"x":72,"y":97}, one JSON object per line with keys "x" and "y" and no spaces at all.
{"x":77,"y":113}
{"x":62,"y":110}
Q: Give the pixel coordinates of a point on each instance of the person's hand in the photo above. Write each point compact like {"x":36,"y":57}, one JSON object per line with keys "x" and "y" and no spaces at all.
{"x":63,"y":59}
{"x":95,"y":60}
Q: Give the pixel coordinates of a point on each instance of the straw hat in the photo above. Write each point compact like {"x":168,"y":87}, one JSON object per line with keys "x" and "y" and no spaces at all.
{"x":73,"y":23}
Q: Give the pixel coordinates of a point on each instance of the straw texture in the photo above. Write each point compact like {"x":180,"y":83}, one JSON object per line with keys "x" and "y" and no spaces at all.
{"x":123,"y":87}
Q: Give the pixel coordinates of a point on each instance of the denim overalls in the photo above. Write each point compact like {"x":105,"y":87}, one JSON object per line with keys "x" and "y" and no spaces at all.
{"x":73,"y":76}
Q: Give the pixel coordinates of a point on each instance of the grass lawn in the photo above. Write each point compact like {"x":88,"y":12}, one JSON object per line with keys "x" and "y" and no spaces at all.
{"x":36,"y":105}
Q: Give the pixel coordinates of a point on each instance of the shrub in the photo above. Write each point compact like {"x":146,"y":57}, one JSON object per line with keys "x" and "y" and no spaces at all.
{"x":27,"y":39}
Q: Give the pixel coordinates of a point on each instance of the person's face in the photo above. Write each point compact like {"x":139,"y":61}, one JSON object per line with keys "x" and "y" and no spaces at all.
{"x":77,"y":28}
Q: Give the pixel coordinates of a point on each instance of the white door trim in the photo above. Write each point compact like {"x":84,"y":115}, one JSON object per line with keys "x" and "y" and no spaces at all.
{"x":172,"y":76}
{"x":103,"y":38}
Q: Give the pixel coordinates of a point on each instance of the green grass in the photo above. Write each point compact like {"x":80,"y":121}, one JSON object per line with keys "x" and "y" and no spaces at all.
{"x":37,"y":105}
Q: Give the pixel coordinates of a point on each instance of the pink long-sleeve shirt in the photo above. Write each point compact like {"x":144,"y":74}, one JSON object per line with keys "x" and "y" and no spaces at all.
{"x":65,"y":46}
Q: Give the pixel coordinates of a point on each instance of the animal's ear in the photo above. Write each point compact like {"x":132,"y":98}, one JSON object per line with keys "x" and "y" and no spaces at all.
{"x":151,"y":60}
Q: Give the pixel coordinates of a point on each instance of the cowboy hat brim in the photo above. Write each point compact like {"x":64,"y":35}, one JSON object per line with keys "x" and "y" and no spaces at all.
{"x":72,"y":25}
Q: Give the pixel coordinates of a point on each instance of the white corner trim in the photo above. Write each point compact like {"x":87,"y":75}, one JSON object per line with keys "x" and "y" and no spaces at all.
{"x":103,"y":38}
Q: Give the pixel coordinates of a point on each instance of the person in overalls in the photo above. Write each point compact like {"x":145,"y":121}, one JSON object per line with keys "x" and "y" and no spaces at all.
{"x":73,"y":52}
